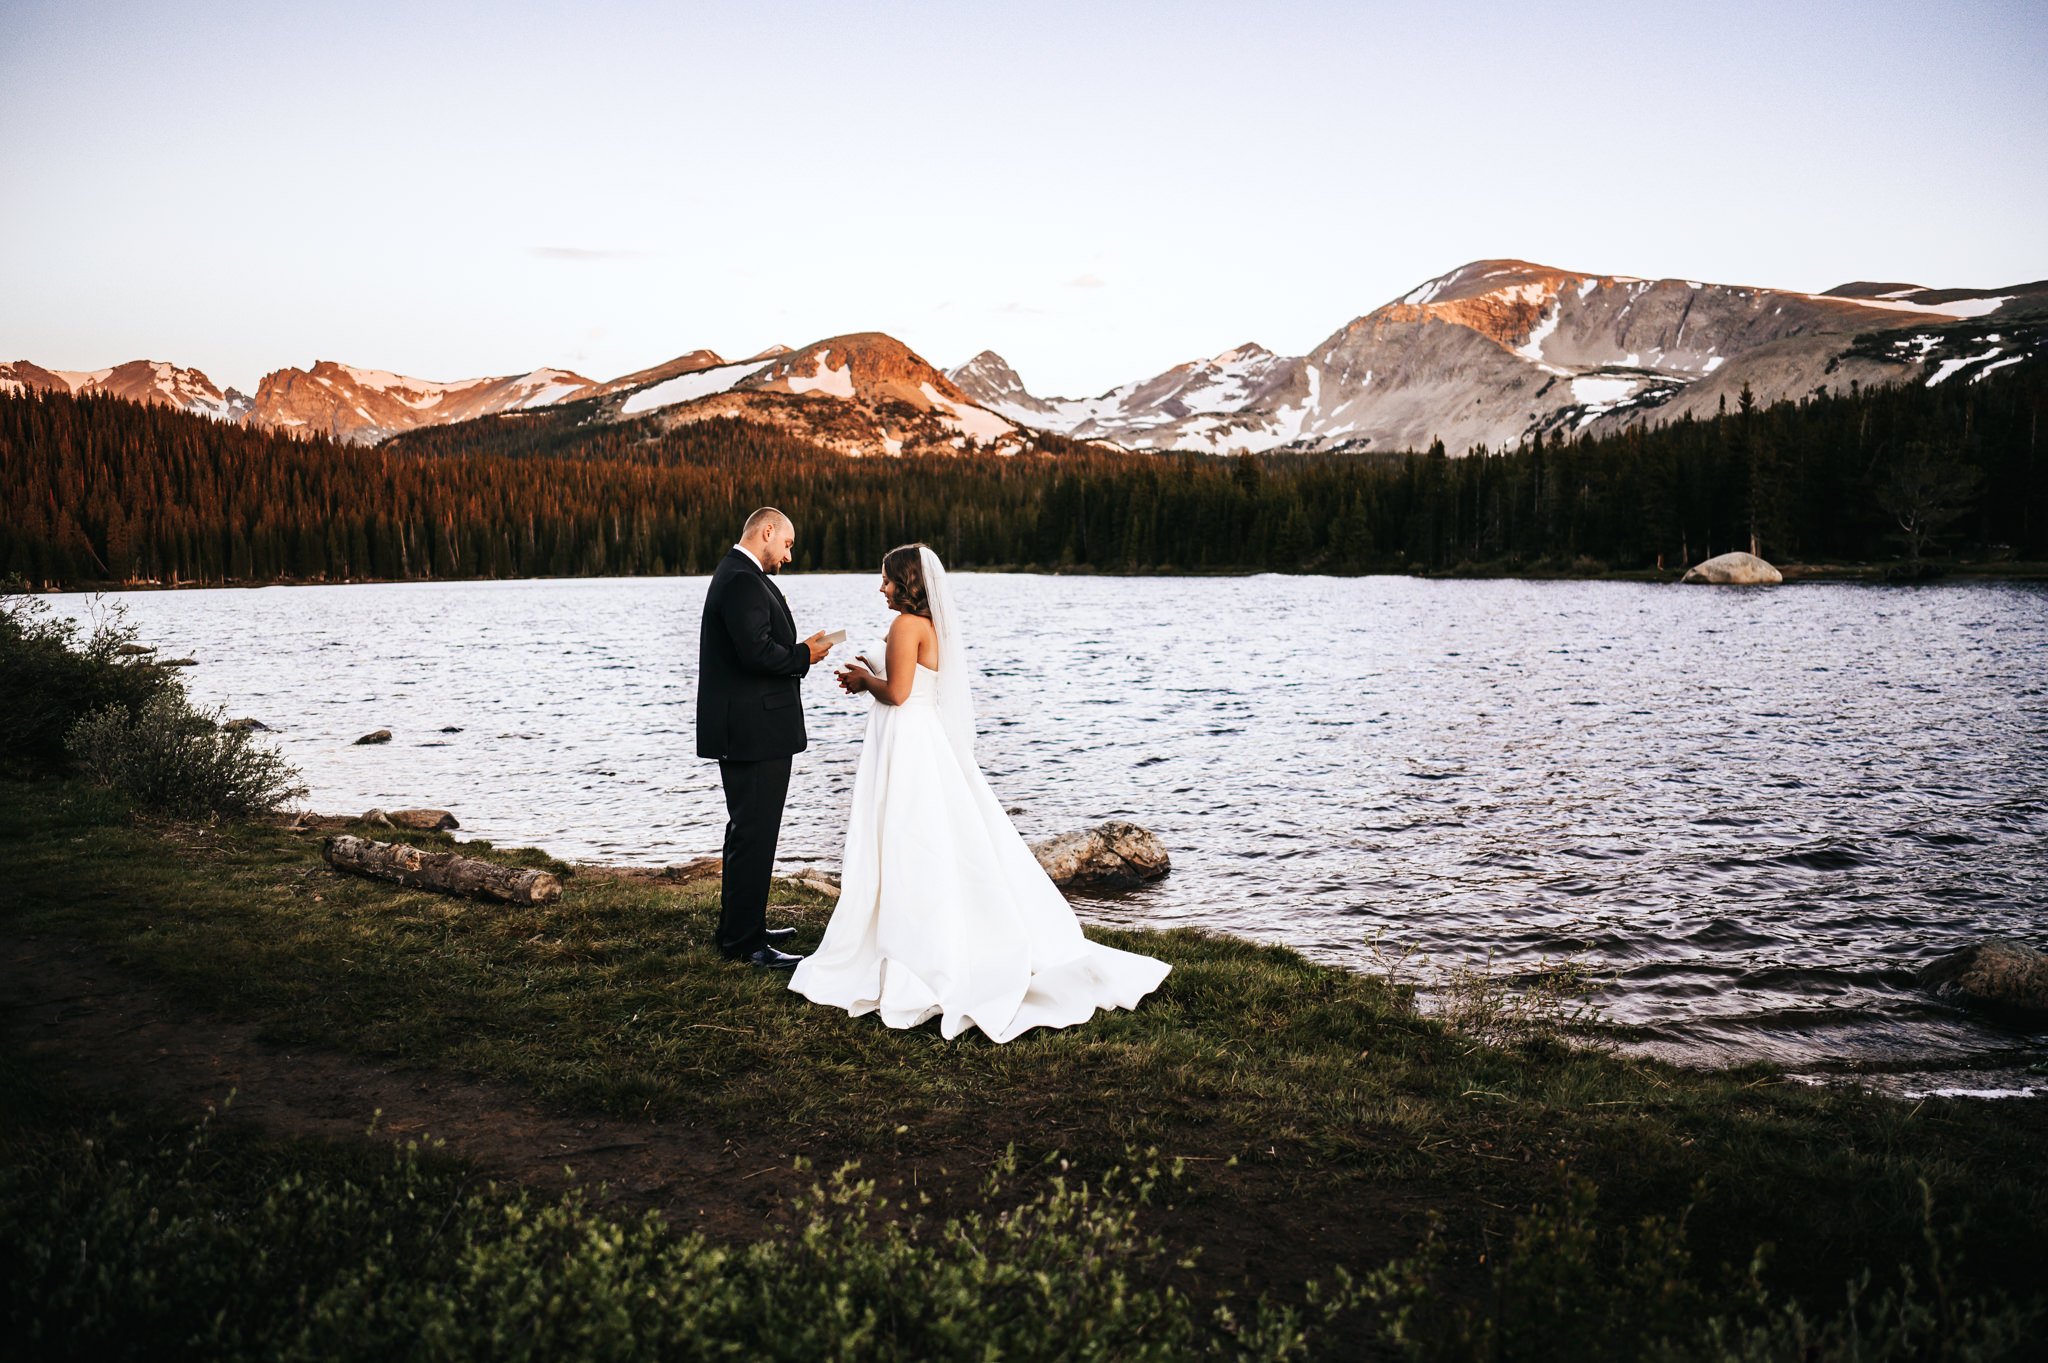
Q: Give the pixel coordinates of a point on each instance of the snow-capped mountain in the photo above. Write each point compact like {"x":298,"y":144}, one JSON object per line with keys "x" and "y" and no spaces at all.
{"x":865,"y":393}
{"x":1229,"y":383}
{"x":1490,"y":354}
{"x":364,"y":406}
{"x":860,"y":394}
{"x":1499,"y":350}
{"x":149,"y":381}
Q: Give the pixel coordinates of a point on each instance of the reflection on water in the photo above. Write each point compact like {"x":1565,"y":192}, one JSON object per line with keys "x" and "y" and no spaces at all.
{"x":1758,"y":809}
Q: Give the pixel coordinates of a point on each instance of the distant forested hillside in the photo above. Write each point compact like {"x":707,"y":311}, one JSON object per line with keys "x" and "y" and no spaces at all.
{"x":98,"y":490}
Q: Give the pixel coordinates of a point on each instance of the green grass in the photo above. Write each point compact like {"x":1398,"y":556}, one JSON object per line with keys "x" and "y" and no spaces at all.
{"x":1285,"y":1084}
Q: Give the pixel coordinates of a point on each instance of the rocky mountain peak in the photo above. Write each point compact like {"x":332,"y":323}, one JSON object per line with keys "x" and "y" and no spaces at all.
{"x":156,"y":382}
{"x":987,"y":373}
{"x":1498,"y":350}
{"x":872,"y":364}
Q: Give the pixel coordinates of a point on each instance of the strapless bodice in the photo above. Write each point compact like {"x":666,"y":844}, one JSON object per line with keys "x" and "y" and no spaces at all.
{"x":924,"y":686}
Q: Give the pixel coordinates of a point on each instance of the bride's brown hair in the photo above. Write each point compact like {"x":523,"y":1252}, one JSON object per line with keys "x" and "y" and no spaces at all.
{"x":903,"y":567}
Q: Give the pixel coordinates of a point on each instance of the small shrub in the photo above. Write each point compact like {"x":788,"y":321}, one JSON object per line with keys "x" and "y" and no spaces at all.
{"x":53,"y":674}
{"x":174,"y":759}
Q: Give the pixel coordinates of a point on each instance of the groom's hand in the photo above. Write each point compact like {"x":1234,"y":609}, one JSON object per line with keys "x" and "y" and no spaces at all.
{"x":818,"y":647}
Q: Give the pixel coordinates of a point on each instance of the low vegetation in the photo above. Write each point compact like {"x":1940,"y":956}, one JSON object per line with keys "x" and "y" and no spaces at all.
{"x":95,"y":701}
{"x":54,"y":673}
{"x":123,"y":1243}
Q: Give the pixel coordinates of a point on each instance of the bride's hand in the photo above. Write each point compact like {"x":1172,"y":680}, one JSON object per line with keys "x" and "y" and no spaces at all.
{"x":854,"y":678}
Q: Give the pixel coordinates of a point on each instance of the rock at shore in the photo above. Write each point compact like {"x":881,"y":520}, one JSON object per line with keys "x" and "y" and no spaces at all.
{"x":425,"y":820}
{"x":1998,"y":975}
{"x":246,"y":726}
{"x":1110,"y":856}
{"x":1733,"y":570}
{"x":713,"y":868}
{"x":689,"y":873}
{"x":811,"y":878}
{"x":379,"y":736}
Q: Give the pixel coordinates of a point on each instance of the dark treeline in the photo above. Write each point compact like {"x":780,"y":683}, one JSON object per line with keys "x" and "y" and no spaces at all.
{"x":99,"y":490}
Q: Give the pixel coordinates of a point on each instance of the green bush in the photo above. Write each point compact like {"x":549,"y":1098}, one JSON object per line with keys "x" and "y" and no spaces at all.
{"x":174,"y":759}
{"x":194,"y":1246}
{"x":1569,"y":1290}
{"x":52,"y":677}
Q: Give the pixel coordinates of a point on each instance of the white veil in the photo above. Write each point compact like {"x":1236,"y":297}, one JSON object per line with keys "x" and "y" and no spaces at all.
{"x":956,"y":679}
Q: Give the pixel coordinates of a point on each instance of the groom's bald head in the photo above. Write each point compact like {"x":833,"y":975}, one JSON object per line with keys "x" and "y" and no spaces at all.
{"x":764,"y":520}
{"x":770,"y":537}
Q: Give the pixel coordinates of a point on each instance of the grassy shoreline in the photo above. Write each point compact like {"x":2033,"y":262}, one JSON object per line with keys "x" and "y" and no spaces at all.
{"x":1318,"y":1119}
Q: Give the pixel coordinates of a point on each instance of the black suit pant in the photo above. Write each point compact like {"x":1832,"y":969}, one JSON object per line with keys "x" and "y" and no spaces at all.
{"x":754,"y":795}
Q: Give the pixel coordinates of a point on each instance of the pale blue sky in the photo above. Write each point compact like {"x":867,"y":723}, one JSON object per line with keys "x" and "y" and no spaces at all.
{"x":1095,"y":190}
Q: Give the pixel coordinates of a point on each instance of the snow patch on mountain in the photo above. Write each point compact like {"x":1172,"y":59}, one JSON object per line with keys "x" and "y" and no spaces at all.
{"x":549,"y":387}
{"x":974,"y":422}
{"x":1602,"y":390}
{"x":1961,"y":308}
{"x":1949,"y":367}
{"x":689,"y":387}
{"x":836,"y":383}
{"x":1532,"y":349}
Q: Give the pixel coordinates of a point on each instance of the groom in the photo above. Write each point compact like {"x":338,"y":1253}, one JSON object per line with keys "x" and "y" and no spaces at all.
{"x":750,"y":717}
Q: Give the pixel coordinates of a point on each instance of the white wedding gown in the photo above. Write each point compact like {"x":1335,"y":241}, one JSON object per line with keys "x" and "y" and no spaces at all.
{"x":943,"y":911}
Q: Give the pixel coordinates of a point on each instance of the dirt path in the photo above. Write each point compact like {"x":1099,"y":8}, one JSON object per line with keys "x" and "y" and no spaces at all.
{"x":117,"y":1040}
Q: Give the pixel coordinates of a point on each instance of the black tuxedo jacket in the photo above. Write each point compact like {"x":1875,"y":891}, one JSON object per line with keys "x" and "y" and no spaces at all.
{"x":749,"y":663}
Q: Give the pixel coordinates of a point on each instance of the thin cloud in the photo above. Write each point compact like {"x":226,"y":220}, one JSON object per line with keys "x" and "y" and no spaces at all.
{"x":583,"y":253}
{"x":1087,"y":281}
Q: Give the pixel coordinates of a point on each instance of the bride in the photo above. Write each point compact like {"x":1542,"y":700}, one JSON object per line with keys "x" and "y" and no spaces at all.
{"x":943,"y":911}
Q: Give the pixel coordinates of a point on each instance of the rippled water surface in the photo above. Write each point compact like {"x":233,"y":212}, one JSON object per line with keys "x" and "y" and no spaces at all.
{"x":1756,"y":810}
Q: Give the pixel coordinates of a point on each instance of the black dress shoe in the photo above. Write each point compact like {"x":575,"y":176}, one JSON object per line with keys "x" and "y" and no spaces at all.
{"x":768,"y":958}
{"x":778,"y":934}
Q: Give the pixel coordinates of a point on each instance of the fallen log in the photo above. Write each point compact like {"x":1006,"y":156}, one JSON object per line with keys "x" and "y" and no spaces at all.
{"x":444,"y":871}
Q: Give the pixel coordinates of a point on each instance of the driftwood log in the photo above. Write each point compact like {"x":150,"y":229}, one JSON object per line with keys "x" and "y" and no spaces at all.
{"x":443,"y":871}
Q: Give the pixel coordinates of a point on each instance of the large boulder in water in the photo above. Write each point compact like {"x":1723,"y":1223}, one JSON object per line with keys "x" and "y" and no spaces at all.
{"x":1734,"y":570}
{"x":1111,"y":856}
{"x":1998,"y":975}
